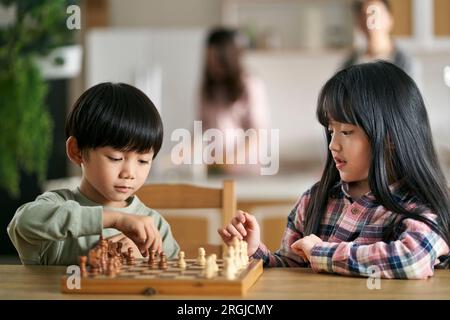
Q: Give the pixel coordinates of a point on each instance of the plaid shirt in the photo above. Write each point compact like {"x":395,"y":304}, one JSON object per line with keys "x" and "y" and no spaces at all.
{"x":352,"y":233}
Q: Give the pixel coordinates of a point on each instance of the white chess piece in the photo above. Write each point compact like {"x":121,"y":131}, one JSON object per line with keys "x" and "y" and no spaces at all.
{"x":209,"y":270}
{"x":231,"y":255}
{"x":181,"y":261}
{"x":201,"y":257}
{"x":237,"y":253}
{"x":214,"y":261}
{"x":229,"y":269}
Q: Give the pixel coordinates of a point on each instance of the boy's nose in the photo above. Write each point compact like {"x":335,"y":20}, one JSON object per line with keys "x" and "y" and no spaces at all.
{"x":127,"y":172}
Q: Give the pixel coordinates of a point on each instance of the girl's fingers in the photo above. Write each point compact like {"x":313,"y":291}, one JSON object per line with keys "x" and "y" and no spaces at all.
{"x":233,"y":231}
{"x":224,"y":233}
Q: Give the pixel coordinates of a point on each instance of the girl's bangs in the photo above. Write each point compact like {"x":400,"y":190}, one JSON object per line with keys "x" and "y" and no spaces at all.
{"x":335,"y":104}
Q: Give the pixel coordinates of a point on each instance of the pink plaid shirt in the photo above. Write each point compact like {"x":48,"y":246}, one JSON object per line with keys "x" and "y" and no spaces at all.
{"x":352,"y":233}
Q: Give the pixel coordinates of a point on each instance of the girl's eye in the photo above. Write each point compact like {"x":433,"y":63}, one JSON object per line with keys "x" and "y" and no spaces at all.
{"x":346,"y":133}
{"x":114,"y":159}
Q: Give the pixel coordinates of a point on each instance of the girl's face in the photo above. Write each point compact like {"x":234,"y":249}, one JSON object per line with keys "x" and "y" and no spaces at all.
{"x":110,"y":176}
{"x":351,"y":151}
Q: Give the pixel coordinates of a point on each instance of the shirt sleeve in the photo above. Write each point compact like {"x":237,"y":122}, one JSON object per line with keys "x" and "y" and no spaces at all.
{"x":51,"y":218}
{"x":411,"y":256}
{"x":285,"y":256}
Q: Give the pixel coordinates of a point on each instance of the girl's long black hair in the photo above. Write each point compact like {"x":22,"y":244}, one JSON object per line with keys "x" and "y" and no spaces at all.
{"x":386,"y":103}
{"x":228,"y":54}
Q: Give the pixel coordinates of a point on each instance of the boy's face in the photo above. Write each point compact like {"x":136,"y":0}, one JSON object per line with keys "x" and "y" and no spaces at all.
{"x":110,"y":176}
{"x":351,"y":151}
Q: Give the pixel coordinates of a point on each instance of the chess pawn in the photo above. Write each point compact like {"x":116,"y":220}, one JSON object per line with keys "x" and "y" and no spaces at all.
{"x":201,"y":261}
{"x":231,"y":255}
{"x":111,"y":270}
{"x":83,"y":271}
{"x":93,"y":262}
{"x":163,"y":261}
{"x":225,"y":252}
{"x":151,"y":258}
{"x":214,"y":263}
{"x":209,"y":270}
{"x":130,"y":257}
{"x":229,"y":269}
{"x":181,"y":261}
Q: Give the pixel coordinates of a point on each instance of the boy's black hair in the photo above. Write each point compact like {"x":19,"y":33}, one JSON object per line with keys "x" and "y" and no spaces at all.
{"x":116,"y":115}
{"x":385,"y":102}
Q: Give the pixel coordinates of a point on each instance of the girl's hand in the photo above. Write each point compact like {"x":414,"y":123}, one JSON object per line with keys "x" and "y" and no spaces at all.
{"x":245,"y":227}
{"x":303,"y":246}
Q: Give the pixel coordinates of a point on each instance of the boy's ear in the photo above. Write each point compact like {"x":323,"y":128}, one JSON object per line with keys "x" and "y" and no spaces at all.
{"x":73,"y":152}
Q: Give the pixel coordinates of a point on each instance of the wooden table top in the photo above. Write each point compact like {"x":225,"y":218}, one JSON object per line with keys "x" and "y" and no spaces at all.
{"x":42,"y":282}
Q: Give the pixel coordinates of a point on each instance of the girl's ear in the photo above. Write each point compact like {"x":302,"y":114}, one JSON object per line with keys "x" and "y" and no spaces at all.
{"x":73,"y":152}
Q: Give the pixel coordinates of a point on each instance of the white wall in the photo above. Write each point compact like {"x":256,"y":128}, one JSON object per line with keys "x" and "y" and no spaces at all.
{"x":164,"y":13}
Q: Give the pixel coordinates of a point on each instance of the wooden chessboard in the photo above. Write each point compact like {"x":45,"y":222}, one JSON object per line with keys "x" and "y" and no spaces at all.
{"x":141,"y":279}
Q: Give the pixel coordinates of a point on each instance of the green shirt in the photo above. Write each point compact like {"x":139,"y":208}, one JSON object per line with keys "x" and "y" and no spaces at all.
{"x":61,"y":225}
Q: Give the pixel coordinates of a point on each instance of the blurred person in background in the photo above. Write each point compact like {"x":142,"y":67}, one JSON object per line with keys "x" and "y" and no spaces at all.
{"x":374,"y":19}
{"x":231,"y":100}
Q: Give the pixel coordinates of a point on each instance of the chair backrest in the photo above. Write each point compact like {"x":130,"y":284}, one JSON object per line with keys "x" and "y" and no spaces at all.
{"x":190,"y":231}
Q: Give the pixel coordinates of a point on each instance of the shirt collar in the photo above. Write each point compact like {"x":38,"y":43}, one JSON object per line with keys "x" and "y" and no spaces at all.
{"x":397,"y":189}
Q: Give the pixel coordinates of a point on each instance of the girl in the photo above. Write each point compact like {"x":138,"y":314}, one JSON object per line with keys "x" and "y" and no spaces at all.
{"x":382,"y":203}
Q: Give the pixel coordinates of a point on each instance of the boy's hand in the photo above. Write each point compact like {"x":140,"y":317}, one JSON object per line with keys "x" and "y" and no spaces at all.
{"x":303,"y":246}
{"x":245,"y":227}
{"x":140,"y":229}
{"x":126,"y":243}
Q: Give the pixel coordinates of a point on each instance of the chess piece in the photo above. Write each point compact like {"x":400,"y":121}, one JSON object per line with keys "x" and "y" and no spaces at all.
{"x":93,"y":262}
{"x":83,"y":271}
{"x":209,"y":269}
{"x":151,"y":258}
{"x":163,"y":261}
{"x":231,"y":255}
{"x":214,"y":263}
{"x":181,"y":261}
{"x":201,"y":261}
{"x":229,"y":269}
{"x":111,"y":270}
{"x":130,"y":257}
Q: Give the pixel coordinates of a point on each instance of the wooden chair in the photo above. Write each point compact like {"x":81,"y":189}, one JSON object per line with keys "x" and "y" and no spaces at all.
{"x":191,"y":231}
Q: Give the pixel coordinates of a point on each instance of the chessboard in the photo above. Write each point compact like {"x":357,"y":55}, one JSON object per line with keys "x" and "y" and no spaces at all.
{"x":142,"y":278}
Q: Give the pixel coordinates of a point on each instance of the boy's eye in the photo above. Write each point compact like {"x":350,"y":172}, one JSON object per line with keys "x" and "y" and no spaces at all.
{"x":114,"y":159}
{"x":144,"y":161}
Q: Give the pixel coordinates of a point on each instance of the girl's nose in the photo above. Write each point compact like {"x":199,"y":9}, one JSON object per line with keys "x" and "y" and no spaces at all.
{"x":334,"y":144}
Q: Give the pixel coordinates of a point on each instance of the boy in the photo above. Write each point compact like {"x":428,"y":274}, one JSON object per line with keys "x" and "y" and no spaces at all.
{"x":113,"y":133}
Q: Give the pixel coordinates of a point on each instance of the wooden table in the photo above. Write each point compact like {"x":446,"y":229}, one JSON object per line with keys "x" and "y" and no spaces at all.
{"x":42,"y":282}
